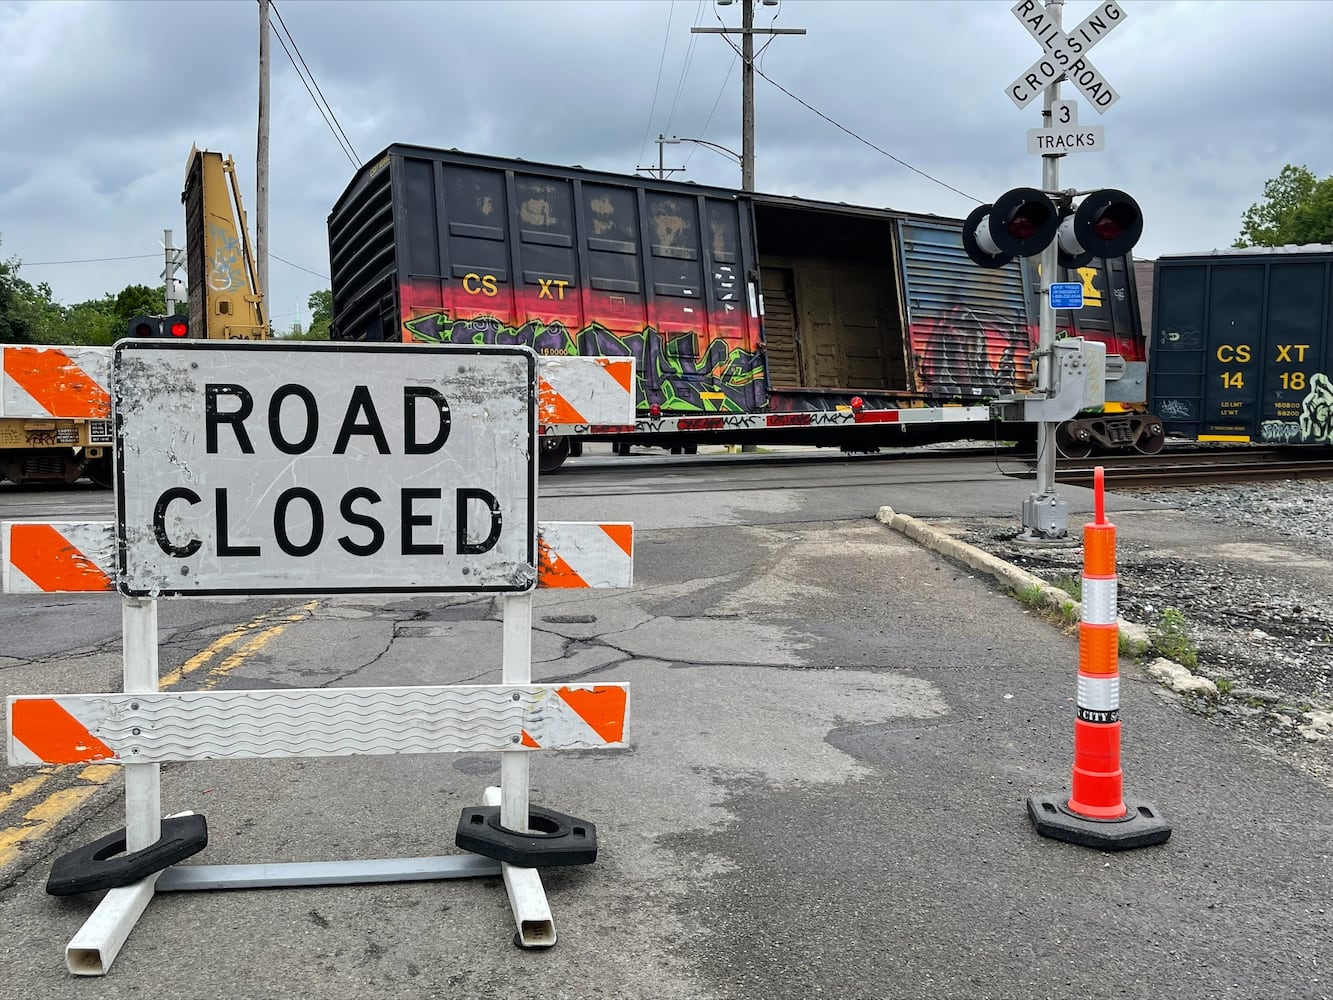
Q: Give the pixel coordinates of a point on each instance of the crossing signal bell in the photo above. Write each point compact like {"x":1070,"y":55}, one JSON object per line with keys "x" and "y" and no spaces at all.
{"x":160,"y":327}
{"x":1022,"y":223}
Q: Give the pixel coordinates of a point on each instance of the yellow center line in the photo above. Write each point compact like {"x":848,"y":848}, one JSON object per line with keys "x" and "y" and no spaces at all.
{"x":44,"y":815}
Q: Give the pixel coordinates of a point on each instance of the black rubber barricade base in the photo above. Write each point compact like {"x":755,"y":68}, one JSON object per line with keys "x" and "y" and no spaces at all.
{"x":1141,"y":826}
{"x":104,"y":865}
{"x":553,"y":839}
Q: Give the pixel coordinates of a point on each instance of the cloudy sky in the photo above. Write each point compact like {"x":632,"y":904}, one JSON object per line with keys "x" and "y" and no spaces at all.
{"x":101,"y":101}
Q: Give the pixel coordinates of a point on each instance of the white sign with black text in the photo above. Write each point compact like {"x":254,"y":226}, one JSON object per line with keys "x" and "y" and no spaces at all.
{"x":1066,"y":54}
{"x":304,"y":468}
{"x":1065,"y":134}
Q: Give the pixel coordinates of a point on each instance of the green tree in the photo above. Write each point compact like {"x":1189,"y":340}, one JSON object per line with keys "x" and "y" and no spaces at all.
{"x":321,"y":315}
{"x":18,"y":317}
{"x":1297,"y":208}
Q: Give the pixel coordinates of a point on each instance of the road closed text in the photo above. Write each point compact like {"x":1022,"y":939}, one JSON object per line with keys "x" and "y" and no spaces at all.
{"x":361,"y":519}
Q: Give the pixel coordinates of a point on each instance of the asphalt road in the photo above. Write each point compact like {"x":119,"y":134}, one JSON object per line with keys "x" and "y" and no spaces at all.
{"x":834,"y":732}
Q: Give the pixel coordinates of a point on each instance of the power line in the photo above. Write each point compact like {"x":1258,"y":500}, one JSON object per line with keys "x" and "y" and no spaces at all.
{"x":861,"y":139}
{"x":299,"y":267}
{"x":657,"y":86}
{"x":329,"y":119}
{"x":685,"y":67}
{"x":312,"y":80}
{"x":86,"y":260}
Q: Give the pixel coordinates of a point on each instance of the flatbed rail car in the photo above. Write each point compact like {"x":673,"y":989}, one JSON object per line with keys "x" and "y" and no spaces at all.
{"x":753,"y":318}
{"x":1242,"y":344}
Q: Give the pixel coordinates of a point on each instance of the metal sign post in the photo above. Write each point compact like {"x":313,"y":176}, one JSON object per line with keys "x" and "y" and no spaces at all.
{"x":1045,"y":513}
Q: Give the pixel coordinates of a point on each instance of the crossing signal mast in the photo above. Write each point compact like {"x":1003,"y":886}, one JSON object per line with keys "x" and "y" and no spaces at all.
{"x":1065,"y":230}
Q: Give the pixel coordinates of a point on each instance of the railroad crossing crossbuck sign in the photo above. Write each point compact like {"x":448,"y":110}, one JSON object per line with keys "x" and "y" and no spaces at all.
{"x":1065,"y":54}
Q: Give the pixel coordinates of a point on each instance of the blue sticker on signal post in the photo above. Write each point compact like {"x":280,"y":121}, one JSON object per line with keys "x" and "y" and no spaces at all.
{"x":1066,"y":295}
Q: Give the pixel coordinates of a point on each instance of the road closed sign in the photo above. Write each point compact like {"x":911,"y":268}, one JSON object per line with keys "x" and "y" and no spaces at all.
{"x":302,"y":468}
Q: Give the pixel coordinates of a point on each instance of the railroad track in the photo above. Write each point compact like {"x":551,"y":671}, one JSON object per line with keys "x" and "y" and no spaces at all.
{"x":1195,"y":468}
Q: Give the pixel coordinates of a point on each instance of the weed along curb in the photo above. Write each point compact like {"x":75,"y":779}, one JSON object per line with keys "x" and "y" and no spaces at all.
{"x":1135,"y":640}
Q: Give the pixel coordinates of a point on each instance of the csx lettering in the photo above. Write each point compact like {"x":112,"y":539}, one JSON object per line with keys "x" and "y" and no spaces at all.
{"x":545,"y":291}
{"x":1233,"y":353}
{"x":480,"y":284}
{"x":1284,"y":352}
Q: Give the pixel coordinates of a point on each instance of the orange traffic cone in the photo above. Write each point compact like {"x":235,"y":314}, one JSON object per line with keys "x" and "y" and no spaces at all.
{"x":1095,"y":813}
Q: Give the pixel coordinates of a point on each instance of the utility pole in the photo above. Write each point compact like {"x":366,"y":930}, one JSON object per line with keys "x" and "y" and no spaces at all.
{"x":261,"y":158}
{"x":662,"y":170}
{"x":169,"y":271}
{"x":747,"y":31}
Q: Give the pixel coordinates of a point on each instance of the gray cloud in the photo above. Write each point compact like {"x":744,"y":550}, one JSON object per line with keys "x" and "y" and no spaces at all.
{"x":100,"y":102}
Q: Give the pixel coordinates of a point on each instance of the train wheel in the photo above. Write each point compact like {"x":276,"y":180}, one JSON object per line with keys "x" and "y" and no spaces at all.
{"x":1151,"y":441}
{"x":1072,"y":440}
{"x":101,"y":472}
{"x":551,"y":453}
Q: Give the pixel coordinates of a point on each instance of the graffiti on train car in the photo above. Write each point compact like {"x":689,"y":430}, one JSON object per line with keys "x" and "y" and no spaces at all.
{"x":1315,"y":423}
{"x":721,"y":378}
{"x":964,"y":351}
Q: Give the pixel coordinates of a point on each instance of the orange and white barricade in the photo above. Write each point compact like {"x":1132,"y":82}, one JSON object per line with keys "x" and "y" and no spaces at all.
{"x":142,"y":727}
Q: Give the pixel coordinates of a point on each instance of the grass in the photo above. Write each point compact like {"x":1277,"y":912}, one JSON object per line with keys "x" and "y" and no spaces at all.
{"x":1172,"y":639}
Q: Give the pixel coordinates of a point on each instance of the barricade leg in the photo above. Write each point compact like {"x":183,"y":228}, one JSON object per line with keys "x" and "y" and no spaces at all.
{"x":527,"y":897}
{"x":92,"y":950}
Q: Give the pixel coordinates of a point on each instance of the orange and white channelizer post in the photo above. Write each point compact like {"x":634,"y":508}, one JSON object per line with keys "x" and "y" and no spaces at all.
{"x":1097,"y":775}
{"x":1095,"y":813}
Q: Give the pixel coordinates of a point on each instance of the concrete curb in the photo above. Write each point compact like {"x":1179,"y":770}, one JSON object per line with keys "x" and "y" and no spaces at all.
{"x":1018,"y":579}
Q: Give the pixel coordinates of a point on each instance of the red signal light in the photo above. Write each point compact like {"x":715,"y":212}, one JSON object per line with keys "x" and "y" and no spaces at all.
{"x":179,"y":329}
{"x":143,"y":330}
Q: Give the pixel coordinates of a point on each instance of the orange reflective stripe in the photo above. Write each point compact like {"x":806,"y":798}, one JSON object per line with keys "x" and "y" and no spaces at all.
{"x":552,"y":571}
{"x":529,"y":742}
{"x":620,"y":369}
{"x":53,"y":735}
{"x":603,"y":708}
{"x":51,"y":562}
{"x":58,"y":385}
{"x":1099,"y":549}
{"x":554,"y":408}
{"x":622,"y":535}
{"x":1098,"y":648}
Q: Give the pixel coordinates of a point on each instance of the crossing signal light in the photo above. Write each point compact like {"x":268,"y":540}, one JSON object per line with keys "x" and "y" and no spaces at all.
{"x":142,"y":327}
{"x":1022,"y":223}
{"x":1106,"y":223}
{"x":160,"y":327}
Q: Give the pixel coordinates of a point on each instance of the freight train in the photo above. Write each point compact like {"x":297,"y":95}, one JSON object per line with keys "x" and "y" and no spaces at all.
{"x":753,"y":318}
{"x":1242,"y":344}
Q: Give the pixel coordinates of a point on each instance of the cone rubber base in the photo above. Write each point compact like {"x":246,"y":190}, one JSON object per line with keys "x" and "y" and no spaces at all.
{"x":1141,"y":826}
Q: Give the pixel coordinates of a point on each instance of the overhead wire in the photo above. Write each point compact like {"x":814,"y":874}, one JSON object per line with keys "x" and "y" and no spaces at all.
{"x":838,"y":125}
{"x":298,"y":266}
{"x":685,"y":67}
{"x":313,"y":80}
{"x":647,"y":129}
{"x":330,"y":119}
{"x":89,"y":260}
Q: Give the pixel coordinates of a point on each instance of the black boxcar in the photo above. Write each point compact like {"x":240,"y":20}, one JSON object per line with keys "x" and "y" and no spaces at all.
{"x":1241,"y":345}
